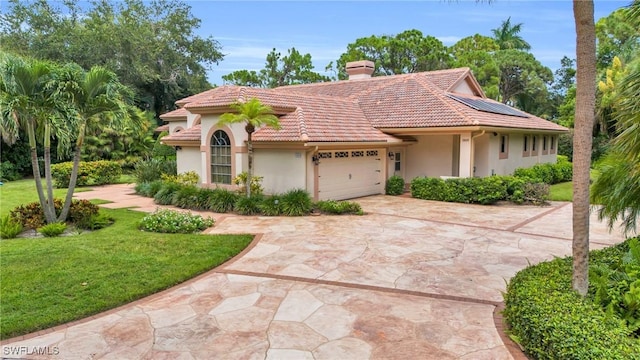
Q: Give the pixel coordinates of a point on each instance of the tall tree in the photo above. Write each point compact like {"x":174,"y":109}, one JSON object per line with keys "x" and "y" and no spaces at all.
{"x":151,"y":46}
{"x":254,"y":114}
{"x":290,"y":69}
{"x":618,"y":186}
{"x":617,"y":35}
{"x":478,"y":53}
{"x":99,"y":100}
{"x":29,"y":99}
{"x":507,"y":36}
{"x":584,"y":119}
{"x":520,"y":73}
{"x":407,"y":52}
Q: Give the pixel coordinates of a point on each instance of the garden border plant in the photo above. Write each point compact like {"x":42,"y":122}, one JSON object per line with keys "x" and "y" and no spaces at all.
{"x":551,"y":321}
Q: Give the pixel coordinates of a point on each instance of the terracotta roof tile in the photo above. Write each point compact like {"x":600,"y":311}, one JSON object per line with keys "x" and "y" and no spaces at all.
{"x":355,"y":110}
{"x":177,"y":114}
{"x":190,"y":134}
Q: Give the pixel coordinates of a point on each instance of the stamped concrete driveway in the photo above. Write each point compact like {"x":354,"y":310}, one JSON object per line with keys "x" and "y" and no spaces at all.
{"x":411,"y":279}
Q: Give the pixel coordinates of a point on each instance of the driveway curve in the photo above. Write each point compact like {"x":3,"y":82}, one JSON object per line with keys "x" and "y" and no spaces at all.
{"x":410,"y":279}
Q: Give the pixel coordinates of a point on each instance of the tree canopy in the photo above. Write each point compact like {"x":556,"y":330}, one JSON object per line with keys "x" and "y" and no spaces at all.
{"x":151,"y":46}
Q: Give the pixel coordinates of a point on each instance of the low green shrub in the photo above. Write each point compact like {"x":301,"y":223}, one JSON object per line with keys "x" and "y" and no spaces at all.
{"x":186,"y":197}
{"x":89,"y":173}
{"x":551,"y":321}
{"x":143,"y":188}
{"x":515,"y":189}
{"x":617,"y":286}
{"x":53,"y":229}
{"x":536,"y":193}
{"x":394,"y":185}
{"x":153,"y":169}
{"x":339,"y":207}
{"x":170,"y":221}
{"x":486,"y":190}
{"x":9,"y":228}
{"x":81,"y":212}
{"x":223,"y":201}
{"x":248,"y":205}
{"x":165,"y":195}
{"x":98,"y":221}
{"x":271,"y":205}
{"x":8,"y":172}
{"x":295,"y":202}
{"x":561,"y":171}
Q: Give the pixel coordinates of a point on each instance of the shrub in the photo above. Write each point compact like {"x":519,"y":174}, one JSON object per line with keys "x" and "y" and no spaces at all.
{"x":547,"y":173}
{"x":617,"y":286}
{"x":256,"y":183}
{"x":9,"y":228}
{"x":98,"y":221}
{"x":161,"y":150}
{"x":8,"y":172}
{"x":515,"y":189}
{"x":28,"y":215}
{"x":186,"y":178}
{"x":186,"y":197}
{"x":486,"y":190}
{"x":202,"y":199}
{"x":89,"y":173}
{"x":143,"y":188}
{"x":394,"y":186}
{"x":169,"y":221}
{"x":248,"y":205}
{"x":551,"y":321}
{"x":295,"y":202}
{"x":339,"y":207}
{"x":223,"y":201}
{"x":53,"y":229}
{"x":536,"y":194}
{"x":150,"y":170}
{"x":271,"y":205}
{"x":31,"y":215}
{"x":164,"y":196}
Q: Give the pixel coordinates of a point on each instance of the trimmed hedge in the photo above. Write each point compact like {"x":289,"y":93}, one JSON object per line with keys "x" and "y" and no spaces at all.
{"x":547,"y":173}
{"x":394,"y":185}
{"x":551,"y":321}
{"x":89,"y":173}
{"x":488,"y":190}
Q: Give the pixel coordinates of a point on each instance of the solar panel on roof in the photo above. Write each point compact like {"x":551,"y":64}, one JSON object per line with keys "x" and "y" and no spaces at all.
{"x":488,"y":106}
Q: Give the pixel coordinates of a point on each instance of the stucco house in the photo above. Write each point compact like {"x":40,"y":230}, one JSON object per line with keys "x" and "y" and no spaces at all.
{"x":343,"y":139}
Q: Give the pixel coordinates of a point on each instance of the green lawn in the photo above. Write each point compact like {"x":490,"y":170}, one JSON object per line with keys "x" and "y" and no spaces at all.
{"x":50,"y":281}
{"x":564,"y":191}
{"x":19,"y":192}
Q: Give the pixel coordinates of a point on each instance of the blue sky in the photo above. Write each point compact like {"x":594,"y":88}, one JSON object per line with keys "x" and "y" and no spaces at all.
{"x":248,"y":30}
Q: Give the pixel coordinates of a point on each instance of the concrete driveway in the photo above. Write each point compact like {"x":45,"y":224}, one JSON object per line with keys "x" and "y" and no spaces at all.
{"x":411,"y":279}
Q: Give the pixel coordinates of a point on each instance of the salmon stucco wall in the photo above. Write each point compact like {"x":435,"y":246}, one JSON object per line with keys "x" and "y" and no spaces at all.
{"x":283,"y":170}
{"x":431,"y":156}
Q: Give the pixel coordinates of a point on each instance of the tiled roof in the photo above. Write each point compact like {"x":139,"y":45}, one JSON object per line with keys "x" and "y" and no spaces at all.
{"x":190,"y":134}
{"x":162,"y":128}
{"x":356,"y":110}
{"x":177,"y":114}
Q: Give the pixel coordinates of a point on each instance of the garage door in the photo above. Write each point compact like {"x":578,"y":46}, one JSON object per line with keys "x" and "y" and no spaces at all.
{"x":349,"y":174}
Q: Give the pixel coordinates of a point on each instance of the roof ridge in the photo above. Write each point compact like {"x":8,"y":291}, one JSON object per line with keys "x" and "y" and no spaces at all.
{"x":302,"y":125}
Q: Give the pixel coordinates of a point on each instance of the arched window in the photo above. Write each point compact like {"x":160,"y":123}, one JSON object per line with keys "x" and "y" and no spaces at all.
{"x":220,"y":158}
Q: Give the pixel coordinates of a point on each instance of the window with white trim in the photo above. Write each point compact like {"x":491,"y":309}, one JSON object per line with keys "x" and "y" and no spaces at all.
{"x":220,"y":158}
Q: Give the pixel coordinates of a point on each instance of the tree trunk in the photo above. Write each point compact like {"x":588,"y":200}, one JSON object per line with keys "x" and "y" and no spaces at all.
{"x":583,"y":138}
{"x":74,"y":175}
{"x":36,"y":172}
{"x":249,"y":163}
{"x":47,"y":174}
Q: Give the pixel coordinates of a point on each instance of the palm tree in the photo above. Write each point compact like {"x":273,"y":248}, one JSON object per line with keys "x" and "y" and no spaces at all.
{"x":582,"y":140}
{"x":100,"y":101}
{"x":253,"y":114}
{"x":618,"y":186}
{"x":507,"y":36}
{"x":29,"y":100}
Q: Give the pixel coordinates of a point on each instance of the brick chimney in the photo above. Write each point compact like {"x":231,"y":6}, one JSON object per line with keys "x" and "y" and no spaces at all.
{"x":362,"y":69}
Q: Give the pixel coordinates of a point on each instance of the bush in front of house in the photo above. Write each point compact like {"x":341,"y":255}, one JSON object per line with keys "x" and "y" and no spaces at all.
{"x":153,"y":169}
{"x":551,"y":321}
{"x":394,"y":185}
{"x":248,"y":205}
{"x":296,"y":202}
{"x":222,"y":200}
{"x":89,"y":173}
{"x":170,"y":221}
{"x":485,"y":191}
{"x":547,"y":173}
{"x":164,"y":196}
{"x":339,"y":207}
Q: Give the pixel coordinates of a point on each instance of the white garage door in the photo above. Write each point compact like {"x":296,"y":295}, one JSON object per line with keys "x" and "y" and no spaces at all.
{"x":348,"y":174}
